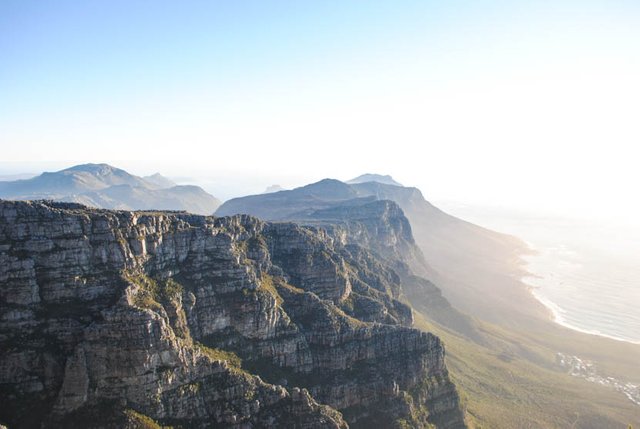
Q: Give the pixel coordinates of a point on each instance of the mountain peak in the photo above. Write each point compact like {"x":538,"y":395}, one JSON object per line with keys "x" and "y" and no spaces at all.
{"x":99,"y":169}
{"x":273,"y":188}
{"x":157,"y":180}
{"x":331,"y":188}
{"x":102,"y":185}
{"x":386,"y":179}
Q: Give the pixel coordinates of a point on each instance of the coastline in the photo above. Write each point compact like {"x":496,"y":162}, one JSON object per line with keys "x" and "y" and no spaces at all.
{"x":556,"y":316}
{"x":556,"y":313}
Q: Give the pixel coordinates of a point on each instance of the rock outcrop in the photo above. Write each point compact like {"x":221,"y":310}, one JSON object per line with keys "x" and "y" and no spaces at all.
{"x":205,"y":322}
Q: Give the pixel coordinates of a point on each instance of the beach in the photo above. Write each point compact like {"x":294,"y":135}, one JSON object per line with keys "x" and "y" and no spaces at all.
{"x":586,"y":273}
{"x":590,"y":289}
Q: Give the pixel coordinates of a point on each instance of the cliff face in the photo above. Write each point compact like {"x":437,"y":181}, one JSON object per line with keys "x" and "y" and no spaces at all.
{"x":205,"y":322}
{"x":381,"y":227}
{"x":368,"y":212}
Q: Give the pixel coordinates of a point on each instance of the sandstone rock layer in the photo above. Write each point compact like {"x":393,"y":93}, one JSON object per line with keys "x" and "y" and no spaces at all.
{"x":199,"y":321}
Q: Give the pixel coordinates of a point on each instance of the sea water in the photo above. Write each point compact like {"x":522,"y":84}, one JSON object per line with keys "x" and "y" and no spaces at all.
{"x":586,"y":272}
{"x":587,"y":289}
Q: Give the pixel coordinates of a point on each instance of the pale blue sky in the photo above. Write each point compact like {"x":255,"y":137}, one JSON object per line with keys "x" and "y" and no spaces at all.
{"x":529,"y":103}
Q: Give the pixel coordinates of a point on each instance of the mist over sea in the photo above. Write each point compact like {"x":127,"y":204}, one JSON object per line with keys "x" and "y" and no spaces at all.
{"x":586,"y":272}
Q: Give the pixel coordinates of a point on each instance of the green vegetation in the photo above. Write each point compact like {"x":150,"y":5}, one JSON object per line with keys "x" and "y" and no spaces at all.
{"x":510,"y":382}
{"x":267,"y":284}
{"x":242,"y":246}
{"x":152,"y":292}
{"x":122,"y":241}
{"x":171,"y":289}
{"x":351,"y":321}
{"x":271,"y":285}
{"x":107,"y":413}
{"x":218,"y":354}
{"x":284,"y":285}
{"x":140,"y":421}
{"x":147,"y":294}
{"x":402,"y":424}
{"x":159,"y":295}
{"x":347,"y":304}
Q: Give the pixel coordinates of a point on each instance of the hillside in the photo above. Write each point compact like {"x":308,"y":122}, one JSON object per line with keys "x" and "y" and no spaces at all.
{"x":450,"y":245}
{"x":104,"y":186}
{"x":504,"y":356}
{"x":196,"y":321}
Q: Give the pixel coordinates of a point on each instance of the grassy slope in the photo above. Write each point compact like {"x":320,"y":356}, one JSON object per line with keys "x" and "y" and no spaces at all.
{"x":511,"y":382}
{"x":509,"y":376}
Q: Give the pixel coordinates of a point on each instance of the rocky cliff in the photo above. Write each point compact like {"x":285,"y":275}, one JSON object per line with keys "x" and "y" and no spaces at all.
{"x":109,"y":319}
{"x":459,"y":253}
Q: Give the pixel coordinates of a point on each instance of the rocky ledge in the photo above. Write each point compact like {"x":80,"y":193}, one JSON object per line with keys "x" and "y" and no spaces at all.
{"x":129,"y":319}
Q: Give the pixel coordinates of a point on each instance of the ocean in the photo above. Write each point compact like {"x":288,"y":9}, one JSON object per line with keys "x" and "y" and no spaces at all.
{"x":586,"y":272}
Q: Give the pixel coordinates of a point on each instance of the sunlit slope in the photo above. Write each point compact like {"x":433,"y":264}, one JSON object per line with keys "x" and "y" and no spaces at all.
{"x":512,"y":382}
{"x":454,"y":248}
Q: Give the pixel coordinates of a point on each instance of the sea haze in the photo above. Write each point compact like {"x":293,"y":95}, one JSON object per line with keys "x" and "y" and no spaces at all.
{"x":587,"y":273}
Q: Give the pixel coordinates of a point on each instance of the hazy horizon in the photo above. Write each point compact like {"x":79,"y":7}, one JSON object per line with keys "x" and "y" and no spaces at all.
{"x":226,"y":187}
{"x":523,"y":104}
{"x":508,"y":297}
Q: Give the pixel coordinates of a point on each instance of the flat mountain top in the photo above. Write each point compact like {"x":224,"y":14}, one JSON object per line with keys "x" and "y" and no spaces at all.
{"x":273,"y":188}
{"x":321,"y":194}
{"x":386,"y":179}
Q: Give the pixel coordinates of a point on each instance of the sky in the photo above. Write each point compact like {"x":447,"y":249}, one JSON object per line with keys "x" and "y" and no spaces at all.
{"x":526,"y":104}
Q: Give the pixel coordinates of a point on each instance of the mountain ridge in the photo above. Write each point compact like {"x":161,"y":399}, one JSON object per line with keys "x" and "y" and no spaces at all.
{"x":448,"y":243}
{"x":105,"y":186}
{"x":194,"y":321}
{"x":369,"y":177}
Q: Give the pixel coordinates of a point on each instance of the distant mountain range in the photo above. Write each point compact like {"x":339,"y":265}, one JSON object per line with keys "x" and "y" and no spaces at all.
{"x":104,"y":186}
{"x":449,"y":244}
{"x":324,"y":302}
{"x":455,"y":249}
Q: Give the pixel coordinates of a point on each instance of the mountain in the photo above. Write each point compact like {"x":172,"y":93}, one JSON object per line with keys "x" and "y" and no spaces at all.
{"x":159,"y":181}
{"x":386,"y":180}
{"x":120,"y":319}
{"x":281,"y":205}
{"x":382,"y":227}
{"x":125,"y":197}
{"x":116,"y":319}
{"x":104,"y":186}
{"x":74,"y":180}
{"x":466,"y":258}
{"x":273,"y":188}
{"x":502,"y":346}
{"x":18,"y":176}
{"x":451,"y":246}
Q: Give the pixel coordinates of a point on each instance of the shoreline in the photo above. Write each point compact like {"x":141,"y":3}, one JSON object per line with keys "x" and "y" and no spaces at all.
{"x":554,"y":310}
{"x":556,"y":317}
